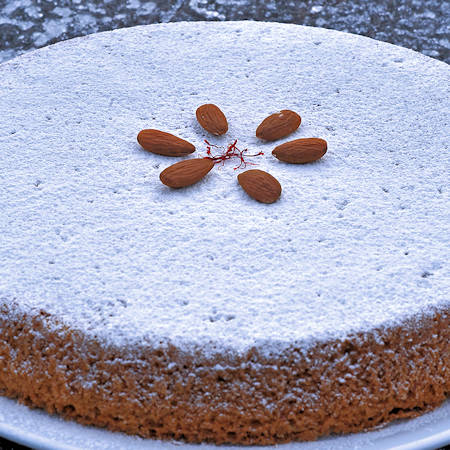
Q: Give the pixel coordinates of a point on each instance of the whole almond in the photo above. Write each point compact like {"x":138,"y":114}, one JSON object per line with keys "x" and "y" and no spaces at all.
{"x":301,"y":151}
{"x":212,"y":119}
{"x":185,"y":173}
{"x":163,"y":143}
{"x":260,"y":185}
{"x":278,"y":125}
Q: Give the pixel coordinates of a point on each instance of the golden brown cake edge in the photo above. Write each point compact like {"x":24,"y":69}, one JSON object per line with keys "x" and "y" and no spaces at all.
{"x":334,"y":387}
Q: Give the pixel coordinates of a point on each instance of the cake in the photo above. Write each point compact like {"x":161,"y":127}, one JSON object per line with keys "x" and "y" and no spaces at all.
{"x":199,"y":314}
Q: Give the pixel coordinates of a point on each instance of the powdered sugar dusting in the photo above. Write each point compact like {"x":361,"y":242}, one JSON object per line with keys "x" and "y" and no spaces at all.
{"x":359,"y":239}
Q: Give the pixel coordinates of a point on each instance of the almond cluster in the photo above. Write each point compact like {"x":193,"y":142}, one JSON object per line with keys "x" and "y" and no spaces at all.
{"x":258,"y":184}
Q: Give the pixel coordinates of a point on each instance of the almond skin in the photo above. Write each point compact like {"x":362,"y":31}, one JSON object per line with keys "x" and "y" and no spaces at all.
{"x":278,"y":125}
{"x":260,"y":185}
{"x":212,"y":119}
{"x":163,"y":143}
{"x":185,"y":173}
{"x":301,"y":151}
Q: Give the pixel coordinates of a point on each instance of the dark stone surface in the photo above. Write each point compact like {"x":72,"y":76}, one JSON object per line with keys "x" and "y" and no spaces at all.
{"x":417,"y":24}
{"x":8,"y":445}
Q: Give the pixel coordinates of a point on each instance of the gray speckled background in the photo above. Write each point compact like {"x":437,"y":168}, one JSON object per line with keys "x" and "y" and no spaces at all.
{"x":422,"y":25}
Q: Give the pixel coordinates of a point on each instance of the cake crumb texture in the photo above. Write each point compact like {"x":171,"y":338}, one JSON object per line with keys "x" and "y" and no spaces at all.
{"x":336,"y":387}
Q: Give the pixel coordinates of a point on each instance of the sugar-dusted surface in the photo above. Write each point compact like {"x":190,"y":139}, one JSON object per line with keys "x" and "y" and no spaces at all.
{"x":358,"y":240}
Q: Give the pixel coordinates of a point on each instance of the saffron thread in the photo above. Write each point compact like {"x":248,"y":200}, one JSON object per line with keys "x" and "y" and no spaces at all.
{"x":232,"y":151}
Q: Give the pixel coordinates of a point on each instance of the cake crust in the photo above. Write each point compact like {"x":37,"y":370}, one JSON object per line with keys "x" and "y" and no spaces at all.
{"x":336,"y":387}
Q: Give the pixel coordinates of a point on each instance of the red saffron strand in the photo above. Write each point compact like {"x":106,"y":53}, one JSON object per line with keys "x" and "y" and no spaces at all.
{"x":232,"y":151}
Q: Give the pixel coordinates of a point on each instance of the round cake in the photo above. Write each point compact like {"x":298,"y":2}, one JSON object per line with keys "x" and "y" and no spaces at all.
{"x":200,"y":314}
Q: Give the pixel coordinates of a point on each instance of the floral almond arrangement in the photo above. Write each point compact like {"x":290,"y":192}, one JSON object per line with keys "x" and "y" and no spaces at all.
{"x":258,"y":184}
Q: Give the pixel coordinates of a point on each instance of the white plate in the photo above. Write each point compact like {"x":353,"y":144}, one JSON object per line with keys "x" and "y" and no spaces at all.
{"x":39,"y":430}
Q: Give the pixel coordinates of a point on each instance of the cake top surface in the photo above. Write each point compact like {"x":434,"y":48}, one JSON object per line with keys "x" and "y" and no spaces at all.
{"x":359,"y":239}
